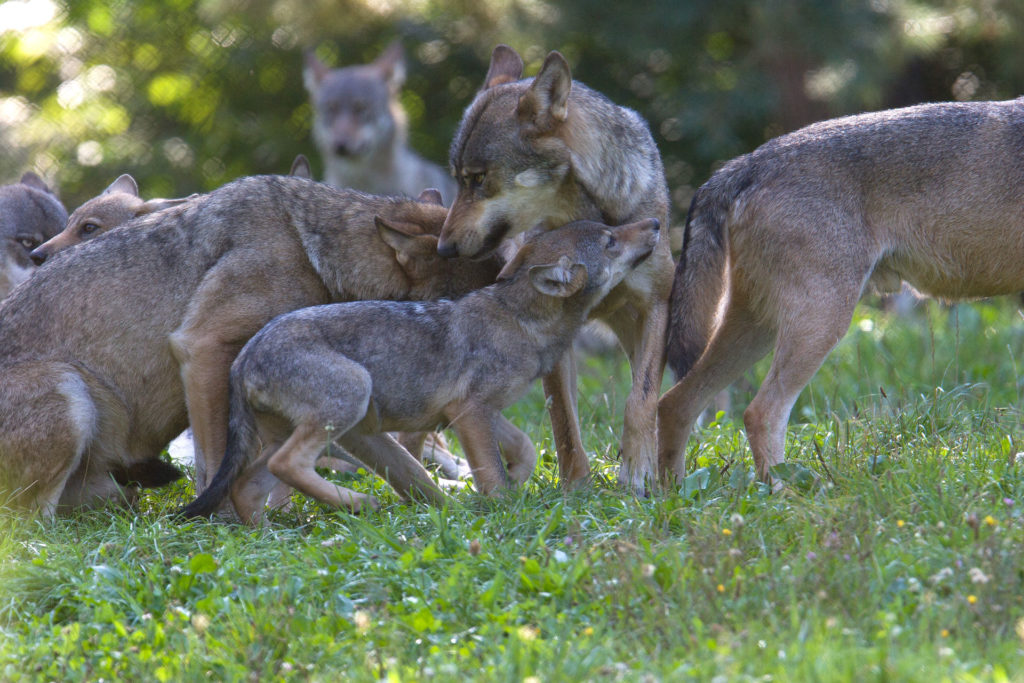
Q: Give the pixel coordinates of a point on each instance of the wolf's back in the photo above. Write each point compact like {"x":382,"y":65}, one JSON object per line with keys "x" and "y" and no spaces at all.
{"x":698,"y":283}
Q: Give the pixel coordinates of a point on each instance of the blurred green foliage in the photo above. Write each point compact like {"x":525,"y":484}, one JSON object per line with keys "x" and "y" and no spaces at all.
{"x":189,"y":94}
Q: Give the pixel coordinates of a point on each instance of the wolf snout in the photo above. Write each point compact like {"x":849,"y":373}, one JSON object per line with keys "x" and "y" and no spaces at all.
{"x":447,"y":249}
{"x":38,"y":256}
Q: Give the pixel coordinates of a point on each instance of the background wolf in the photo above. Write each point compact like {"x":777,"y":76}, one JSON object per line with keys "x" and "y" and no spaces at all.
{"x":101,"y":349}
{"x":544,"y":151}
{"x":30,"y":214}
{"x":781,"y":243}
{"x":359,"y":127}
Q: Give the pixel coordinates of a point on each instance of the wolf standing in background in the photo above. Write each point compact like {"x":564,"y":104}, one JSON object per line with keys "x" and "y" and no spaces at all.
{"x":360,"y":128}
{"x":30,"y":214}
{"x":546,"y":151}
{"x":367,"y":367}
{"x":780,"y":244}
{"x":105,"y":346}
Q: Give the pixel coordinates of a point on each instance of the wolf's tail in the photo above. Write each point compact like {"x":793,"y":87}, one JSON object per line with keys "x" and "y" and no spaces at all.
{"x":243,"y":440}
{"x":700,"y":274}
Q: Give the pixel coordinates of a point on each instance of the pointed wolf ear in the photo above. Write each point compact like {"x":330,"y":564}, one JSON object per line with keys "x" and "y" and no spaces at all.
{"x":124,"y":183}
{"x":391,"y":65}
{"x":314,"y":72}
{"x":506,"y":67}
{"x":406,"y":240}
{"x":513,"y":264}
{"x":154,"y":205}
{"x":32,"y":180}
{"x":562,"y":279}
{"x":431,"y":195}
{"x":300,"y":168}
{"x":546,"y":103}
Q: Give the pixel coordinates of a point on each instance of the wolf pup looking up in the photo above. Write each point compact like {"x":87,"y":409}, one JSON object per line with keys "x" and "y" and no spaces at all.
{"x":359,"y":127}
{"x":30,"y":214}
{"x":104,"y":348}
{"x":363,"y":368}
{"x":542,"y":152}
{"x":781,"y":243}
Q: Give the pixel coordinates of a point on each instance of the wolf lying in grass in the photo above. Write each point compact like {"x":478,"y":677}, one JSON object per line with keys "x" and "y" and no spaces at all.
{"x":363,"y":368}
{"x":780,"y":244}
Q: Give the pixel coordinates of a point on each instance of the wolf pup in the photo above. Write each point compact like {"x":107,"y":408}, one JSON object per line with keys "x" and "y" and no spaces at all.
{"x":546,"y":151}
{"x":363,"y":368}
{"x":102,"y":350}
{"x":117,"y":204}
{"x":360,"y":128}
{"x":30,"y":214}
{"x":781,"y":243}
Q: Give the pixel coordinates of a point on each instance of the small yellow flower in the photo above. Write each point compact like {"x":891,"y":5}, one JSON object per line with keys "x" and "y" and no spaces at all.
{"x":900,"y":523}
{"x":971,"y":599}
{"x":990,"y":520}
{"x":528,"y":633}
{"x":726,"y":532}
{"x":944,"y":633}
{"x":721,"y":588}
{"x":588,"y":631}
{"x":362,"y":620}
{"x":200,"y":622}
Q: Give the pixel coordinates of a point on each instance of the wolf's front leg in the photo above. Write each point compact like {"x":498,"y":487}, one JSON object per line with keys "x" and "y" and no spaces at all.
{"x":560,"y":390}
{"x":475,"y":427}
{"x":643,"y":336}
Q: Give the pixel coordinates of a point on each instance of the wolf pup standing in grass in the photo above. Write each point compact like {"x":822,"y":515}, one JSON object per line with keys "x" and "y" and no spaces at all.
{"x":780,"y":244}
{"x":538,"y":153}
{"x":363,"y":368}
{"x":360,"y":129}
{"x":30,"y":214}
{"x":105,"y":347}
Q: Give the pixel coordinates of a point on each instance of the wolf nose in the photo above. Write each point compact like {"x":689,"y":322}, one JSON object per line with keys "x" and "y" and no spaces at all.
{"x":37,"y":257}
{"x":447,"y":249}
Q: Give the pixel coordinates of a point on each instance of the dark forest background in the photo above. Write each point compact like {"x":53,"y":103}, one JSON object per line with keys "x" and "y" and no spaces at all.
{"x":189,"y":94}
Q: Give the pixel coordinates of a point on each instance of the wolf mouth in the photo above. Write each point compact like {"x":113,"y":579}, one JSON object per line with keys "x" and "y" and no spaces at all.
{"x":497,"y":233}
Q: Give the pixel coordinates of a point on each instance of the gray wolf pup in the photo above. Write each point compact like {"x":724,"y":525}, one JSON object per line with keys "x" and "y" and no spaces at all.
{"x":544,"y":151}
{"x":30,"y":214}
{"x":102,"y":350}
{"x":117,"y":204}
{"x":360,"y":128}
{"x":364,"y":368}
{"x":781,"y":243}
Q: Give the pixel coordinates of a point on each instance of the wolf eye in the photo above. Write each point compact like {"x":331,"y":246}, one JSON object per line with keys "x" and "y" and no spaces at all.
{"x":90,"y":227}
{"x":474,"y":180}
{"x":28,"y":242}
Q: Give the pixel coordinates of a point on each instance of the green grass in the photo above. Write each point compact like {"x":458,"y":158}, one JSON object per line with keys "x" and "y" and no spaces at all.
{"x":896,"y":553}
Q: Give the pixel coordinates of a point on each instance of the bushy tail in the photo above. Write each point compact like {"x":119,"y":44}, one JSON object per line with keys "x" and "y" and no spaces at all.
{"x":699,"y":279}
{"x":242,"y":440}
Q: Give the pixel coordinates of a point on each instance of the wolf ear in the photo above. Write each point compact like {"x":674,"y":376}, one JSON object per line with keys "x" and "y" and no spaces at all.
{"x":406,"y":240}
{"x":124,"y":183}
{"x":506,"y":67}
{"x":431,"y":195}
{"x":562,"y":279}
{"x":32,"y":180}
{"x":391,"y":65}
{"x":546,"y":103}
{"x":154,"y":205}
{"x":513,"y":264}
{"x":314,"y":72}
{"x":300,"y":168}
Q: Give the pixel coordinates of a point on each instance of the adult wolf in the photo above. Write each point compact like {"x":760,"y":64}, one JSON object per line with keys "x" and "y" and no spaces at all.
{"x":781,"y":243}
{"x":105,"y":347}
{"x":360,"y":128}
{"x":30,"y":214}
{"x":362,"y":368}
{"x":542,"y":152}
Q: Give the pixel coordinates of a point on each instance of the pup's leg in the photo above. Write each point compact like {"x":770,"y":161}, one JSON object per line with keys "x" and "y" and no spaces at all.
{"x":517,"y":449}
{"x":475,"y":427}
{"x":390,"y":460}
{"x":810,"y":330}
{"x":733,"y":348}
{"x":295,"y":464}
{"x":560,"y":389}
